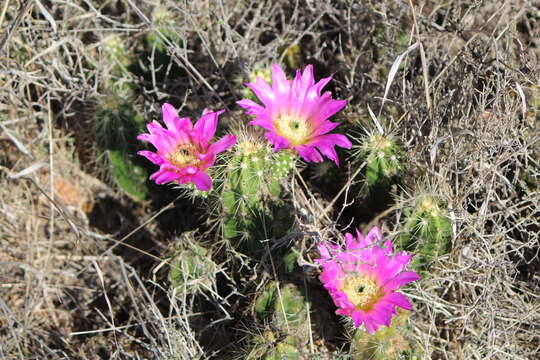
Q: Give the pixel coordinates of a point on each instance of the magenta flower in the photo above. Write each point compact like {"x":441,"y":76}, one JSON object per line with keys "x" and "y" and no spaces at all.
{"x":183,"y":151}
{"x":296,"y":114}
{"x":363,"y":279}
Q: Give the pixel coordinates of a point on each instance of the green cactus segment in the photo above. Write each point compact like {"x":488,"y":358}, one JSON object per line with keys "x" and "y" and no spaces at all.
{"x":252,"y":182}
{"x":129,"y":177}
{"x":163,"y":21}
{"x":120,"y":59}
{"x":117,"y":125}
{"x":388,"y":343}
{"x":383,"y":160}
{"x":290,"y":308}
{"x":118,"y":122}
{"x":116,"y":51}
{"x":267,"y":346}
{"x":427,"y":231}
{"x":290,"y":260}
{"x":192,"y":270}
{"x":285,"y":307}
{"x":286,"y":310}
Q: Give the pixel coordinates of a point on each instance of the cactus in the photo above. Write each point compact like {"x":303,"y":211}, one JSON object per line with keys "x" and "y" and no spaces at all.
{"x":164,"y":22}
{"x":383,"y":160}
{"x":286,"y":310}
{"x":116,"y":126}
{"x":129,"y":177}
{"x":117,"y":122}
{"x":388,"y":343}
{"x":120,"y":59}
{"x":116,"y":52}
{"x":192,"y":270}
{"x":251,"y":179}
{"x":267,"y":346}
{"x":427,"y":230}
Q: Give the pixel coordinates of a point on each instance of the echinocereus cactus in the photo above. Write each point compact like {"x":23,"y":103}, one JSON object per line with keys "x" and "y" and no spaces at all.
{"x":295,"y":113}
{"x":383,"y":159}
{"x":250,"y":190}
{"x":286,"y":310}
{"x":363,"y":278}
{"x":183,"y":151}
{"x":427,"y":230}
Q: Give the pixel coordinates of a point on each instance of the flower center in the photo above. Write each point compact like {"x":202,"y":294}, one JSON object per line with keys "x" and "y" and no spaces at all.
{"x":184,"y":156}
{"x":361,"y":291}
{"x":296,"y":130}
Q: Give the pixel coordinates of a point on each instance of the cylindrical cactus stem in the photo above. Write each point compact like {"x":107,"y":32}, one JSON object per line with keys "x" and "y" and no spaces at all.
{"x":270,"y":345}
{"x":383,"y":156}
{"x":251,"y":180}
{"x":427,"y":230}
{"x":164,"y":26}
{"x":117,"y":124}
{"x":119,"y":58}
{"x":286,"y":310}
{"x":192,"y":270}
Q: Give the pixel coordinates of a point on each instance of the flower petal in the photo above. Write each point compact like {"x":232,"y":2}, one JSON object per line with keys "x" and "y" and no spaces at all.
{"x":169,"y":116}
{"x":222,"y":144}
{"x":308,"y":153}
{"x":153,"y":157}
{"x":202,"y":181}
{"x":263,"y":91}
{"x":397,"y":299}
{"x":163,"y":176}
{"x":400,"y":280}
{"x":280,"y":84}
{"x":205,"y":128}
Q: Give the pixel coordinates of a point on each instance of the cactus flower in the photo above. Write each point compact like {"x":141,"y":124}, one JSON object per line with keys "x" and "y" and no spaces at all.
{"x":183,"y":150}
{"x":296,"y":114}
{"x":363,"y":279}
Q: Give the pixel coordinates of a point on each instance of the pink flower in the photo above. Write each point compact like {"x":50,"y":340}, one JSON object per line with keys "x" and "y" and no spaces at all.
{"x":183,"y":151}
{"x":363,"y":279}
{"x":296,"y":114}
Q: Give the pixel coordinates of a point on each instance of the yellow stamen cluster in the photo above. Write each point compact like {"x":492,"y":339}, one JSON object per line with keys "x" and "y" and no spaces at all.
{"x":184,"y":156}
{"x":362,"y":291}
{"x":296,"y":130}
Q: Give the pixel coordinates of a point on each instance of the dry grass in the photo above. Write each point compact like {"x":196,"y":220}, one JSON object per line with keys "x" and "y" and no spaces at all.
{"x":84,"y":267}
